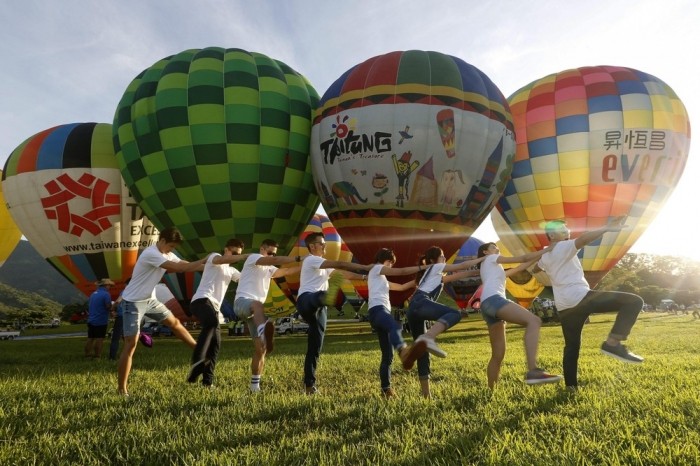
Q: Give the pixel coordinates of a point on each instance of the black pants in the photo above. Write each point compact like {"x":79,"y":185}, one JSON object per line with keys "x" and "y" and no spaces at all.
{"x":209,"y":340}
{"x":627,"y":305}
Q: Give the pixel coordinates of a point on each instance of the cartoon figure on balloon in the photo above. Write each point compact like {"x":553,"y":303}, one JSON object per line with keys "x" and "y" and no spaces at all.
{"x":403,"y":167}
{"x":380,"y":182}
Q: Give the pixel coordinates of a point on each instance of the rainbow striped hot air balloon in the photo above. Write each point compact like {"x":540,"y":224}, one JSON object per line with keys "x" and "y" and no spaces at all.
{"x":9,"y":233}
{"x":593,"y":143}
{"x":216,"y":142}
{"x":65,"y":192}
{"x":409,"y":150}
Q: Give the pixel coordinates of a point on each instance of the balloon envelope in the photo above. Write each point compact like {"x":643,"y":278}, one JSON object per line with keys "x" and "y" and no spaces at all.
{"x":65,"y":192}
{"x":216,"y":142}
{"x":593,"y":143}
{"x":409,"y":150}
{"x":9,"y":233}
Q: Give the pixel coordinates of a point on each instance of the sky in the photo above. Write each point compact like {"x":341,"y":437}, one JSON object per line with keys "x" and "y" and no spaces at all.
{"x":70,"y":61}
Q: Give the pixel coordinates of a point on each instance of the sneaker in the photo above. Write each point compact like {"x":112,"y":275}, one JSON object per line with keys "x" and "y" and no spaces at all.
{"x":334,"y":283}
{"x":409,"y":354}
{"x":388,"y":393}
{"x":254,"y":389}
{"x":620,"y":352}
{"x":432,"y":346}
{"x":196,"y":370}
{"x":538,"y":376}
{"x":269,"y":336}
{"x":312,"y":390}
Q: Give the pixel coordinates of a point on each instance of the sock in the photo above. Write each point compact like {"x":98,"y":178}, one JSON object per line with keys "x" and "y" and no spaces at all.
{"x":261,"y":330}
{"x":255,"y":382}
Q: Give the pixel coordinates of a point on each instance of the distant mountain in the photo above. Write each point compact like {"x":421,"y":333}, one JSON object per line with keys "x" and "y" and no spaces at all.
{"x":26,"y":270}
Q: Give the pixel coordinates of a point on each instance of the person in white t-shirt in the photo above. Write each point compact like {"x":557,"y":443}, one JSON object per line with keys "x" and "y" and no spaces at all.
{"x":206,"y":305}
{"x":424,"y":306}
{"x":139,"y":297}
{"x":496,"y":310}
{"x":318,"y":289}
{"x":575,"y":301}
{"x":249,"y":304}
{"x":381,"y":319}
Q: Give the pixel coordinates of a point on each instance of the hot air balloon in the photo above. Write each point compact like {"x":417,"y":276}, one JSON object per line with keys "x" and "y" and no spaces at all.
{"x":462,"y":290}
{"x":593,"y":143}
{"x":165,"y":296}
{"x":216,"y":142}
{"x":9,"y":233}
{"x":409,"y":150}
{"x":65,"y":192}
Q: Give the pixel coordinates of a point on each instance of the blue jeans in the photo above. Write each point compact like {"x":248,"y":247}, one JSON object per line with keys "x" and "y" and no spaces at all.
{"x":420,"y":309}
{"x":117,"y":332}
{"x":209,"y":340}
{"x":627,"y":305}
{"x":389,"y":334}
{"x":314,"y":312}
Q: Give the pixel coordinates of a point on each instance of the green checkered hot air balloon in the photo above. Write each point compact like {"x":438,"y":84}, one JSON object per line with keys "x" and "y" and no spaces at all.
{"x":216,"y":142}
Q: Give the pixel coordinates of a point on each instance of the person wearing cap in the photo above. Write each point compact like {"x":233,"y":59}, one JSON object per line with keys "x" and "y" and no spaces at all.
{"x":575,"y":301}
{"x":99,"y":307}
{"x":139,"y":298}
{"x":206,"y":305}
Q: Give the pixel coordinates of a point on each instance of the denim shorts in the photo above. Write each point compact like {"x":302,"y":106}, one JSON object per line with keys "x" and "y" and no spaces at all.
{"x":490,"y":306}
{"x":243,"y":309}
{"x":134,"y":311}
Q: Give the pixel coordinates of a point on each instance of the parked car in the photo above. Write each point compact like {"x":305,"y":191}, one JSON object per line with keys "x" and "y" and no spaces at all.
{"x":8,"y":334}
{"x":288,"y":325}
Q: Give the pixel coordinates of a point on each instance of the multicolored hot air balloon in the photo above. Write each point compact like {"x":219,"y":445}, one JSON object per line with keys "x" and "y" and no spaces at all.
{"x":523,"y":286}
{"x":593,"y":143}
{"x":409,"y":150}
{"x":462,"y":290}
{"x":65,"y":192}
{"x":216,"y":142}
{"x":9,"y":233}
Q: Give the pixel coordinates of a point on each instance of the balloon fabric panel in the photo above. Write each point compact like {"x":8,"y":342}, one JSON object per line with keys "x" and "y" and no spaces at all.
{"x":215,"y":142}
{"x":593,"y":143}
{"x":9,"y":232}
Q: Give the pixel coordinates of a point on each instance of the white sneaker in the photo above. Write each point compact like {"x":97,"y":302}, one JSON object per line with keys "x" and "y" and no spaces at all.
{"x":432,"y":347}
{"x":254,"y":389}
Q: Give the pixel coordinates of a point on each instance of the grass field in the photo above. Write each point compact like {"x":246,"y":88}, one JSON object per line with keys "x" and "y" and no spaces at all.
{"x":56,"y":407}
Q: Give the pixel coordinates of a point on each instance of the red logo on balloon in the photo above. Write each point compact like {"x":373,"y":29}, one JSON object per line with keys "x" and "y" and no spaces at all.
{"x":64,"y":189}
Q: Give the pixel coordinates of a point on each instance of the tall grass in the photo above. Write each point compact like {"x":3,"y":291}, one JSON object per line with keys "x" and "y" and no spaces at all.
{"x":56,"y":407}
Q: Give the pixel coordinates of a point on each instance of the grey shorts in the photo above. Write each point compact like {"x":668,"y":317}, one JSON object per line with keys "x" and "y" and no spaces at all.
{"x":490,"y":306}
{"x":242,"y":307}
{"x":134,"y":311}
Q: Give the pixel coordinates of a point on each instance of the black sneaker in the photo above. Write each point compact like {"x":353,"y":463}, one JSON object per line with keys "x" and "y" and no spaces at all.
{"x":196,"y":370}
{"x":620,"y":352}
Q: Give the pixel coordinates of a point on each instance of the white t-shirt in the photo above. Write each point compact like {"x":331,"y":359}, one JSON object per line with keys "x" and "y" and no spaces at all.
{"x":147,"y":273}
{"x":493,"y":277}
{"x":215,"y":280}
{"x":378,"y":288}
{"x":312,"y":277}
{"x":566,"y":273}
{"x":432,"y":281}
{"x":254,"y":282}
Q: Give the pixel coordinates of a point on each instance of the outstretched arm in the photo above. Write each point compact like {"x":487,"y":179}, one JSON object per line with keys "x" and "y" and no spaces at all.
{"x":344,"y":265}
{"x":614,"y":224}
{"x":396,"y":271}
{"x":529,"y":257}
{"x":463,"y":265}
{"x":460,"y":275}
{"x":229,"y":259}
{"x":184,"y":266}
{"x":284,"y":271}
{"x":277,"y":260}
{"x":402,"y":286}
{"x":520,"y":267}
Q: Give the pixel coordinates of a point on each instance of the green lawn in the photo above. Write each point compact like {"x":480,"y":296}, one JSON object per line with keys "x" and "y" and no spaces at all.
{"x":58,"y":407}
